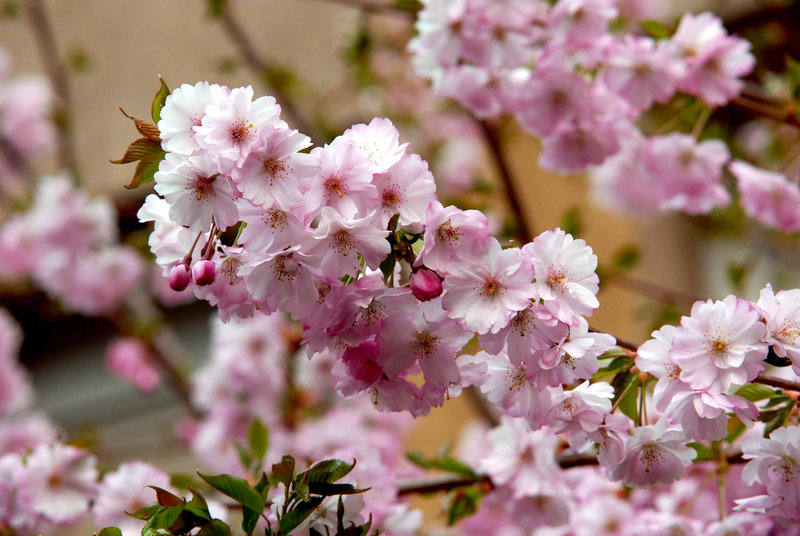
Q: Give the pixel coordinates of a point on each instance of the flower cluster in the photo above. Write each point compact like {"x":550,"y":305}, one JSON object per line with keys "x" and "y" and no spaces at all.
{"x":572,"y":75}
{"x":350,"y":239}
{"x":26,"y":130}
{"x":67,"y":243}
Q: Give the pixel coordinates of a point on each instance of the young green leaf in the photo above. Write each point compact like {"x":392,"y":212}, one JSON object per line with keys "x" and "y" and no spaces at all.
{"x":329,"y":470}
{"x":215,"y":527}
{"x":237,"y":489}
{"x":294,"y":517}
{"x":159,"y":100}
{"x":464,"y":503}
{"x":146,"y":512}
{"x":165,"y":518}
{"x":755,"y":392}
{"x":109,"y":531}
{"x":258,"y":436}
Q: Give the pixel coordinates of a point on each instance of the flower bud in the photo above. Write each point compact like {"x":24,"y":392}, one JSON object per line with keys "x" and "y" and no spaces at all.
{"x":425,"y":284}
{"x":204,"y":272}
{"x":179,"y":277}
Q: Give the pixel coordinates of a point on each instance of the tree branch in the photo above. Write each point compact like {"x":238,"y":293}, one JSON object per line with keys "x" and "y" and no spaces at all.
{"x":57,"y":73}
{"x":525,"y":230}
{"x":265,"y":71}
{"x":780,"y":383}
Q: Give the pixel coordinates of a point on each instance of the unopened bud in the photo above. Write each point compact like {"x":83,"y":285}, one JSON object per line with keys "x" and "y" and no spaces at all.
{"x":425,"y":284}
{"x":179,"y":277}
{"x":204,"y":272}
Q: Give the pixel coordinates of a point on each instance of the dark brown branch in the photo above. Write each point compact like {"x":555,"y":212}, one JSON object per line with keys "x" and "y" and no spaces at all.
{"x":265,"y":71}
{"x":451,"y":482}
{"x":483,"y":407}
{"x":525,"y":229}
{"x":57,"y":73}
{"x":779,"y":383}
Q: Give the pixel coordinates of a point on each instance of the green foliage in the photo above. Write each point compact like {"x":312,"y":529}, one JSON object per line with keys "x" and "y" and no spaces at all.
{"x":626,"y":394}
{"x":159,"y":100}
{"x":572,"y":222}
{"x":793,"y":76}
{"x":614,"y":361}
{"x":79,"y":60}
{"x":258,"y":437}
{"x":775,"y":418}
{"x":655,"y":29}
{"x":444,"y":463}
{"x":627,"y":257}
{"x":109,"y":531}
{"x":216,"y":7}
{"x":463,"y":503}
{"x":147,"y":150}
{"x":755,"y":392}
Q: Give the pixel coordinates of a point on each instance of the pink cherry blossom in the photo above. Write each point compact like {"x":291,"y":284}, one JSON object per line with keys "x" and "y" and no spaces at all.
{"x":130,"y":359}
{"x":767,"y":197}
{"x":781,"y":313}
{"x":719,"y":345}
{"x":483,"y":295}
{"x":653,"y":454}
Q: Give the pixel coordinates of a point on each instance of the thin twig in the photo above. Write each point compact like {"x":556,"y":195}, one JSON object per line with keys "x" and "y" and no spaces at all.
{"x":258,"y":65}
{"x":525,"y":230}
{"x":482,"y":405}
{"x":382,"y":8}
{"x":652,"y":290}
{"x":770,"y":111}
{"x":57,"y":73}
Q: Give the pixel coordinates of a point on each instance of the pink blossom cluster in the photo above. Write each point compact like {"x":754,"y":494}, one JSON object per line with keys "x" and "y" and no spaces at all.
{"x":567,"y":77}
{"x":317,"y":226}
{"x":252,"y":370}
{"x":26,"y":129}
{"x":533,"y":492}
{"x":67,"y":244}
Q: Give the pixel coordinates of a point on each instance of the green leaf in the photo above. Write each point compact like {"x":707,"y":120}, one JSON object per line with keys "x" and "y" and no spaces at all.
{"x":780,"y":418}
{"x":284,"y":471}
{"x":215,"y":528}
{"x":329,"y":470}
{"x":387,"y":266}
{"x":655,"y":29}
{"x":249,"y":520}
{"x":328,"y":489}
{"x":571,"y":222}
{"x":237,"y":489}
{"x":262,"y":486}
{"x":622,"y":363}
{"x":259,"y":439}
{"x":627,"y":257}
{"x":302,"y":489}
{"x":146,"y":170}
{"x":464,"y":503}
{"x":628,"y":399}
{"x":216,"y":7}
{"x":245,"y":456}
{"x":159,"y":100}
{"x":294,"y":517}
{"x":198,"y":506}
{"x":146,"y":512}
{"x":704,"y":452}
{"x":109,"y":531}
{"x":755,"y":392}
{"x":793,"y":75}
{"x":165,"y":518}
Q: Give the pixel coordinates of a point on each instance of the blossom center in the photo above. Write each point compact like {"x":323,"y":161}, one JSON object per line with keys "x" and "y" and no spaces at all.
{"x":334,"y":186}
{"x":240,"y":132}
{"x":342,"y":242}
{"x":521,"y":323}
{"x":229,"y":268}
{"x":651,"y":454}
{"x":391,"y":198}
{"x":786,"y":468}
{"x":202,"y":187}
{"x":273,"y":168}
{"x":557,"y":279}
{"x":447,"y":233}
{"x":491,"y":287}
{"x":517,"y":378}
{"x":424,"y":344}
{"x":276,"y":219}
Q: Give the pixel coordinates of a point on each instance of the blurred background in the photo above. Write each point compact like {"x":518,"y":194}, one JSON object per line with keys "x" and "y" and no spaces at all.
{"x":334,"y":61}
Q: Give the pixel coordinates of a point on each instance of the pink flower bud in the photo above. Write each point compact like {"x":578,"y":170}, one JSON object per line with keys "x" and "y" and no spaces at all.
{"x":204,"y":272}
{"x":179,"y":277}
{"x":425,"y":284}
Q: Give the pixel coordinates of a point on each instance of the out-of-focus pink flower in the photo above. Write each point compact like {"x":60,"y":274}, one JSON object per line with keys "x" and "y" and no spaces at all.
{"x":130,"y":359}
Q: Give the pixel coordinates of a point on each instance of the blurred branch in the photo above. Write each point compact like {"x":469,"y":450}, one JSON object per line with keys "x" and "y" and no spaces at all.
{"x":377,"y":7}
{"x":266,"y":72}
{"x":652,"y":290}
{"x":493,"y":139}
{"x":57,"y":73}
{"x":15,"y":159}
{"x":780,"y":383}
{"x":763,"y":107}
